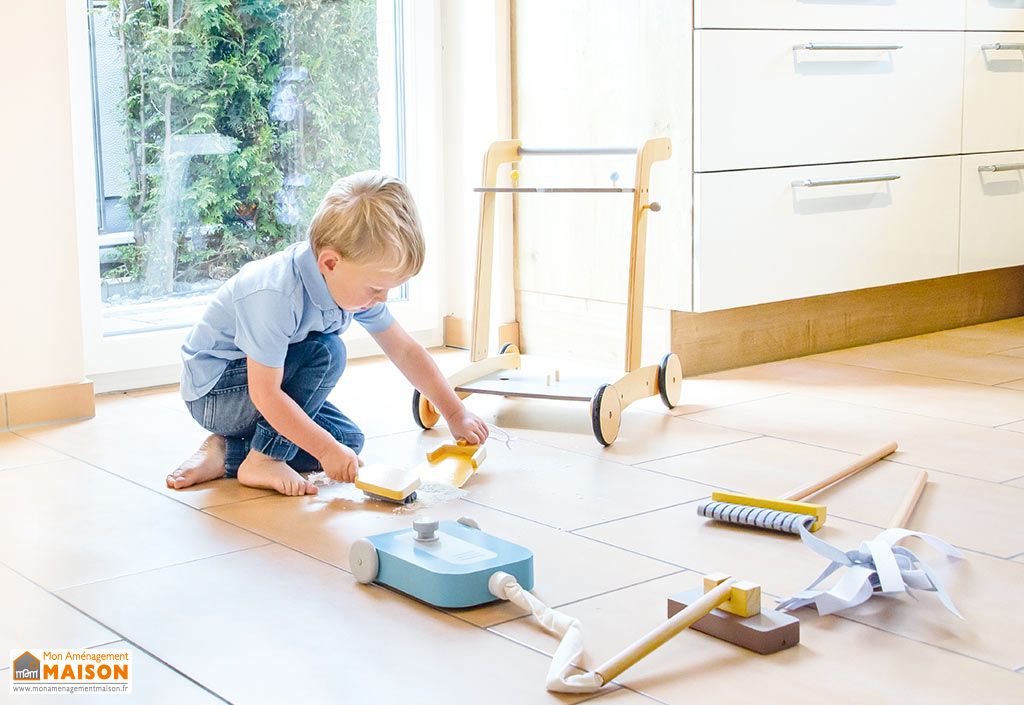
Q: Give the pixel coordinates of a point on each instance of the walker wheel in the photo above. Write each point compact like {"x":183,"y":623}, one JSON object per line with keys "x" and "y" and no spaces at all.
{"x":363,"y":561}
{"x":422,"y":412}
{"x":670,"y":380}
{"x":606,"y":414}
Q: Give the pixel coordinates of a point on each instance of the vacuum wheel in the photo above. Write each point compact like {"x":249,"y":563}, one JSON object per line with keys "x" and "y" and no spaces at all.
{"x":606,"y":414}
{"x":422,"y":412}
{"x":363,"y":561}
{"x":670,"y":380}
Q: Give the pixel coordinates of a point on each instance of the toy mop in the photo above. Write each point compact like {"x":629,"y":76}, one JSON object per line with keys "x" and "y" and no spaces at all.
{"x":878,"y":566}
{"x":504,"y":374}
{"x":455,"y":564}
{"x":786,"y":513}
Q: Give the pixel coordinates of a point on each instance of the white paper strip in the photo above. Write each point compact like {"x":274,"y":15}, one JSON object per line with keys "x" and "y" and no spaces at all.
{"x":878,"y":566}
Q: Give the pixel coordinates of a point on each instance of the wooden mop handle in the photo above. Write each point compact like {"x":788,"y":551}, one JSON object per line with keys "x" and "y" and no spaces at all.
{"x":854,"y":467}
{"x":659,"y":635}
{"x":902,"y":515}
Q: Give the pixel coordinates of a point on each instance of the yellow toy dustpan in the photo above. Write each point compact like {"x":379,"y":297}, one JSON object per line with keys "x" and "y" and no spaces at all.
{"x":452,"y":464}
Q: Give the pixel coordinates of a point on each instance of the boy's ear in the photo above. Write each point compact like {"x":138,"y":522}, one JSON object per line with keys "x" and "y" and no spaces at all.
{"x":328,"y":260}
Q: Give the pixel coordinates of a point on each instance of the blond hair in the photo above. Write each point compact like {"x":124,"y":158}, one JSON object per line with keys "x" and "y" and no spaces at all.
{"x":370,"y":217}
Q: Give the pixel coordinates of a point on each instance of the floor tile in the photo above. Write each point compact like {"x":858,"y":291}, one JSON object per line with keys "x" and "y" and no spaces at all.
{"x":843,"y":661}
{"x":555,"y":487}
{"x":16,"y":451}
{"x":932,"y":357}
{"x":969,"y":513}
{"x":153,"y":683}
{"x":271,"y":606}
{"x":643,"y":436}
{"x":913,"y":394}
{"x":567,"y":567}
{"x":984,"y":453}
{"x":33,"y":618}
{"x":90,"y":525}
{"x":144,"y":442}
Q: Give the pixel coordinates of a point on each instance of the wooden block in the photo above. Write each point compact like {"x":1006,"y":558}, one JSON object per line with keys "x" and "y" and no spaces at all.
{"x":765,"y":633}
{"x":744,"y":598}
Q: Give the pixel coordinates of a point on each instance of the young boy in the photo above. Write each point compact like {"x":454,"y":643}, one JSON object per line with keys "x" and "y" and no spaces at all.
{"x":259,"y":365}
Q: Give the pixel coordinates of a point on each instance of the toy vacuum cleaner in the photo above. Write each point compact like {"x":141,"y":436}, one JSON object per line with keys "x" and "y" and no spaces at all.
{"x":454,"y":564}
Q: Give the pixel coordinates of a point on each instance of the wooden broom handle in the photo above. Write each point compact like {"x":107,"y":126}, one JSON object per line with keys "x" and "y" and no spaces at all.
{"x":662,"y":633}
{"x":854,"y":467}
{"x":902,"y":516}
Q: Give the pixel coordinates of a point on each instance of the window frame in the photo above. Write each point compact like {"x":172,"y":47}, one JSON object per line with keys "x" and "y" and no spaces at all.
{"x":153,"y":358}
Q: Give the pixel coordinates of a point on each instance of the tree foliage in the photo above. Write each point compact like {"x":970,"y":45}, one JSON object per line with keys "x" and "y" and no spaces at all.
{"x":291,"y":84}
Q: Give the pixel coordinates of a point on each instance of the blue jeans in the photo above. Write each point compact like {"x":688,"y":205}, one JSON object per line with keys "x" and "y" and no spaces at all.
{"x":311,"y":369}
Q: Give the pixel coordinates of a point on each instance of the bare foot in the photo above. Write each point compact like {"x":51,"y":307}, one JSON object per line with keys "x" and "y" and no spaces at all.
{"x":207,"y":463}
{"x":258,"y":470}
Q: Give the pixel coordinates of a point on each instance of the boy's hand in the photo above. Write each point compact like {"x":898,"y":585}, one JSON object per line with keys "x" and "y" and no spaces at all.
{"x":467,"y":426}
{"x":341,"y":463}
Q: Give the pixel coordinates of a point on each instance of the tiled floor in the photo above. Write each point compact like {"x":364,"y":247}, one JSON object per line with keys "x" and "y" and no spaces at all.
{"x":230,"y":594}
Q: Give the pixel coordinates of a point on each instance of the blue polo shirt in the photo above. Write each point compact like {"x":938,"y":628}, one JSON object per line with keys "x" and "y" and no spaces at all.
{"x":259,"y":312}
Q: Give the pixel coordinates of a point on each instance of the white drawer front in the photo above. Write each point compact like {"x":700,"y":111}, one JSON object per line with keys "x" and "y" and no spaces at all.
{"x":995,"y":15}
{"x":759,"y":238}
{"x":992,"y":213}
{"x":832,"y":14}
{"x":993,"y":91}
{"x":760,"y":102}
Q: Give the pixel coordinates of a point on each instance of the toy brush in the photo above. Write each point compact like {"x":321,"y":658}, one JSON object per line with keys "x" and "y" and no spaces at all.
{"x":786,"y":513}
{"x":387,"y":483}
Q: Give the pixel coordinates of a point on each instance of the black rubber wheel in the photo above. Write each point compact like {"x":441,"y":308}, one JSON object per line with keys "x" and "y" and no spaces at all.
{"x":663,"y":381}
{"x":504,"y":348}
{"x":416,"y":410}
{"x":596,"y":405}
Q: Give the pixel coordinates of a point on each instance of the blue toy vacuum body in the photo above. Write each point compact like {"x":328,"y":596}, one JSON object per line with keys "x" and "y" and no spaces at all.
{"x":445,"y":564}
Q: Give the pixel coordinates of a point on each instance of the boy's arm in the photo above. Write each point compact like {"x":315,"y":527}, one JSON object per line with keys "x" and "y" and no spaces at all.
{"x":287,"y":418}
{"x":421,"y":370}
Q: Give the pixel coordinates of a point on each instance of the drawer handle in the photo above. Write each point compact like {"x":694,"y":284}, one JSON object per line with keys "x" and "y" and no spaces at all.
{"x":811,"y":46}
{"x":1001,"y":167}
{"x":812,"y":183}
{"x":1002,"y":45}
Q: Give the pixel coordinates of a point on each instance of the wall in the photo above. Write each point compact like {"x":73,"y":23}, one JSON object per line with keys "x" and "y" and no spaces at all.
{"x":39,"y":282}
{"x":476,"y":112}
{"x":601,"y":73}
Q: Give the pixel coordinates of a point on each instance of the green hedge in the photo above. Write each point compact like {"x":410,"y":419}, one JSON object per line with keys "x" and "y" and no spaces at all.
{"x":291,"y":83}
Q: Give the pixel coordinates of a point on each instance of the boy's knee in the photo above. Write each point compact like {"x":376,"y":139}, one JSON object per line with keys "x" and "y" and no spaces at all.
{"x":332,"y":351}
{"x":355,"y":441}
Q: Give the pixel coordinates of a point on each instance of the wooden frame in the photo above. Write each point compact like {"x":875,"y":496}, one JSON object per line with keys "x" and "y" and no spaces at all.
{"x":490,"y":375}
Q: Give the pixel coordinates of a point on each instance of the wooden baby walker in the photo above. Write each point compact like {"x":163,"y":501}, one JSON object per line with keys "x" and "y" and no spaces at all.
{"x":502,"y":374}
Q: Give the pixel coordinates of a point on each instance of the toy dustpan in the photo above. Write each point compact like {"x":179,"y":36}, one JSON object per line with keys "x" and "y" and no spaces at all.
{"x":452,"y":463}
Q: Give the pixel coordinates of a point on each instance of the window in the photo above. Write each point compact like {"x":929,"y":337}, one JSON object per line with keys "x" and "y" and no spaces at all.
{"x":218,"y":126}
